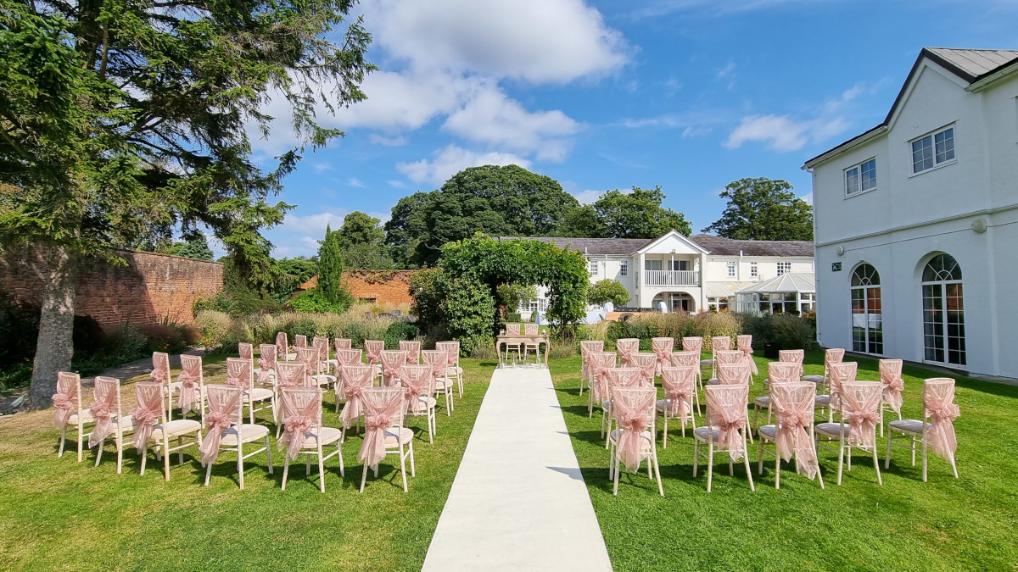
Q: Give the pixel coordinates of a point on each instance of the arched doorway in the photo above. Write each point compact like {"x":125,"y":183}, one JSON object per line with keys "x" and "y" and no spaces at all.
{"x":674,"y":302}
{"x":943,"y":311}
{"x":867,"y":315}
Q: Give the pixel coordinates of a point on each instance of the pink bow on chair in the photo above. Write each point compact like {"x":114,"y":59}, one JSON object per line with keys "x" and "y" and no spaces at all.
{"x":940,"y":432}
{"x":188,"y":390}
{"x":295,"y":427}
{"x":217,"y":422}
{"x":792,"y":438}
{"x":352,"y":409}
{"x":678,"y":400}
{"x":62,"y":402}
{"x":893,"y":389}
{"x":102,"y":412}
{"x":630,"y":442}
{"x":373,"y":448}
{"x":730,"y":425}
{"x":159,"y":375}
{"x":144,"y":417}
{"x":861,"y":427}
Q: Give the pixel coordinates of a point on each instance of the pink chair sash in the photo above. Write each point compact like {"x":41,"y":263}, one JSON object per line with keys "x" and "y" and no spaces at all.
{"x":348,"y":357}
{"x":298,"y":420}
{"x":245,"y":350}
{"x":693,"y":344}
{"x":355,"y":379}
{"x":838,"y":374}
{"x":662,"y":348}
{"x":107,"y":392}
{"x":720,"y":343}
{"x":266,"y":363}
{"x":224,"y":410}
{"x":679,"y":386}
{"x":308,"y":357}
{"x":647,"y":364}
{"x":342,"y":344}
{"x":634,"y":413}
{"x":238,"y":373}
{"x":381,"y":407}
{"x":374,"y":350}
{"x":601,"y":363}
{"x":414,"y":379}
{"x":147,"y":412}
{"x":833,"y":355}
{"x":627,"y":349}
{"x":860,"y":406}
{"x":438,"y":360}
{"x":733,"y":374}
{"x":300,"y":341}
{"x":452,"y":350}
{"x":685,"y":358}
{"x":745,"y":345}
{"x":160,"y":367}
{"x":938,"y":400}
{"x":588,"y":347}
{"x":412,"y":349}
{"x":290,"y":374}
{"x":726,"y":412}
{"x":792,"y":356}
{"x":794,"y":406}
{"x":391,"y":362}
{"x":781,"y":372}
{"x":281,"y":345}
{"x":189,"y":377}
{"x":65,"y":400}
{"x":623,"y":377}
{"x":894,"y":385}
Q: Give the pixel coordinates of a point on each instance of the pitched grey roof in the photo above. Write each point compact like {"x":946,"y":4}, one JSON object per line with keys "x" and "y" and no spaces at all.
{"x":972,"y":64}
{"x":712,"y":244}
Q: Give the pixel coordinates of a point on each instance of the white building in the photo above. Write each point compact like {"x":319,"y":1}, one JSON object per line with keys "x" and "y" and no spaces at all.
{"x":917,"y":220}
{"x":676,"y":273}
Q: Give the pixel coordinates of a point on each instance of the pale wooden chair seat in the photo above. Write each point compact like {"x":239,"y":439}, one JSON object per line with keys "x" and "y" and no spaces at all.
{"x":768,"y":431}
{"x":832,"y":430}
{"x":907,"y":426}
{"x":326,"y":436}
{"x":247,"y":433}
{"x":646,"y":438}
{"x":814,"y":378}
{"x":259,"y":393}
{"x":395,"y":436}
{"x":86,"y":417}
{"x":763,"y":401}
{"x":175,"y":428}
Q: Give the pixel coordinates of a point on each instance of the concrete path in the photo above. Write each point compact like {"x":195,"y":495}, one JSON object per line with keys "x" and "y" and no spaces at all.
{"x":519,"y":501}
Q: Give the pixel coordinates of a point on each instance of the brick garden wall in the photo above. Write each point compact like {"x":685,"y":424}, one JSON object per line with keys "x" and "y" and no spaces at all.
{"x":388,"y":287}
{"x":151,"y":288}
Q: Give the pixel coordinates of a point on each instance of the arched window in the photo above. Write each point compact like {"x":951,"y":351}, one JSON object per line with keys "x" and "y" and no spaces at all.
{"x":867,"y":317}
{"x":943,"y":311}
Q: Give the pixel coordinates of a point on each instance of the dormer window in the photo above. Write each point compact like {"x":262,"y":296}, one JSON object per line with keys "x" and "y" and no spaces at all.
{"x":861,"y":177}
{"x":932,"y":150}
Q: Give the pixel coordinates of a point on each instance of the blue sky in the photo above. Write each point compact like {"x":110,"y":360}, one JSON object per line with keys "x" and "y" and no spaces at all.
{"x":686,"y":94}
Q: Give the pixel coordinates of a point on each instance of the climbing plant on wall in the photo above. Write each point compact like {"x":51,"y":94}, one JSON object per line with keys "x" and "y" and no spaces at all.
{"x":491,"y":263}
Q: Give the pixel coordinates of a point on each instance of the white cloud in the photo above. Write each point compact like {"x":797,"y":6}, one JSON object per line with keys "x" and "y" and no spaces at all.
{"x":396,"y":141}
{"x":452,"y":159}
{"x":298,"y":235}
{"x":541,"y":41}
{"x":355,"y":183}
{"x":321,"y":167}
{"x":396,"y":183}
{"x":588,"y":196}
{"x":493,"y":118}
{"x":713,"y":7}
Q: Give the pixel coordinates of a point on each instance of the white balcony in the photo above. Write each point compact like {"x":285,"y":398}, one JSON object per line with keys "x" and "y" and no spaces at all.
{"x":672,"y":278}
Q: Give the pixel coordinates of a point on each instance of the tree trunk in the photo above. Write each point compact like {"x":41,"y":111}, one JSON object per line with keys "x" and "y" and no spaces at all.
{"x":54,"y":347}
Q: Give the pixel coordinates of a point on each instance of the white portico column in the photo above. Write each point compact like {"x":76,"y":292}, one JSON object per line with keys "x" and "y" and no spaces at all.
{"x":703,"y":292}
{"x":640,"y":279}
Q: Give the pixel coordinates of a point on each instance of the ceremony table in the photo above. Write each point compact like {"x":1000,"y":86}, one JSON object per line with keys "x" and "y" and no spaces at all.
{"x":504,"y":340}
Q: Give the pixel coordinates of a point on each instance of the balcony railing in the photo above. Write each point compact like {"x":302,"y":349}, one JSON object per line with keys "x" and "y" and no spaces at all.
{"x":673,"y":278}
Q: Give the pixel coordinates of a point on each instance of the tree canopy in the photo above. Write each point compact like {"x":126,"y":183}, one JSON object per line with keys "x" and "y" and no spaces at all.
{"x":763,"y":209}
{"x":616,"y":214}
{"x":608,"y":290}
{"x":363,"y":242}
{"x":496,"y":200}
{"x":129,"y":121}
{"x":330,"y":266}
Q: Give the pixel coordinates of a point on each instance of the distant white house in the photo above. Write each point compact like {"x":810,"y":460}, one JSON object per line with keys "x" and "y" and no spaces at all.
{"x":675,"y":273}
{"x":917,"y":220}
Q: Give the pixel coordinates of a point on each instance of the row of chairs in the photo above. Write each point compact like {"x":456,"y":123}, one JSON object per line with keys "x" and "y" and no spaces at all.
{"x":524,"y":348}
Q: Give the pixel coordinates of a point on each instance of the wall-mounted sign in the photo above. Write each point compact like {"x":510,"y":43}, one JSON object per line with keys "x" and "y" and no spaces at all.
{"x":835,"y":267}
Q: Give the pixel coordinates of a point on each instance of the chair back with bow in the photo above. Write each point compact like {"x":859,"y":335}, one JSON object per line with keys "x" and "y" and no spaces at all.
{"x":744,"y":343}
{"x":300,"y":341}
{"x":266,"y":363}
{"x":621,"y":377}
{"x":839,"y":374}
{"x":418,"y":381}
{"x":348,"y":357}
{"x":67,"y":399}
{"x":512,"y":329}
{"x":439,"y":362}
{"x":412,"y":349}
{"x":692,"y":344}
{"x":530,"y":330}
{"x":720,"y":343}
{"x":685,"y":358}
{"x":792,"y":356}
{"x":383,"y":409}
{"x":860,"y":410}
{"x":939,"y":413}
{"x":392,"y":360}
{"x":647,"y":364}
{"x":291,"y":374}
{"x":662,"y":348}
{"x":225,"y":403}
{"x":586,"y":348}
{"x":282,"y":345}
{"x":373,"y":349}
{"x":321,"y":344}
{"x":452,"y":351}
{"x":894,"y":384}
{"x":301,"y":413}
{"x":192,"y":383}
{"x":832,"y":356}
{"x":342,"y":344}
{"x":354,"y":379}
{"x":160,"y":367}
{"x":309,"y":357}
{"x":680,"y":385}
{"x":239,"y":373}
{"x":634,"y":412}
{"x":148,"y":411}
{"x":245,"y":350}
{"x":601,"y":365}
{"x":793,"y":405}
{"x":726,"y":412}
{"x":782,"y":372}
{"x":105,"y":408}
{"x":627,"y":349}
{"x":733,"y":374}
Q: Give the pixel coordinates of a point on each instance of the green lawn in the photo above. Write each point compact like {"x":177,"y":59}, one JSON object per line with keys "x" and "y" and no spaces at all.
{"x":57,"y":514}
{"x":944,"y":524}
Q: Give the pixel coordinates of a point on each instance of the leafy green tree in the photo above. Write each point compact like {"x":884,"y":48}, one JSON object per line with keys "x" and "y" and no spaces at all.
{"x":330,"y":266}
{"x":289,"y":273}
{"x":509,"y":296}
{"x":363,"y":242}
{"x":608,"y":290}
{"x":127,"y":120}
{"x":637,"y":214}
{"x":195,"y":246}
{"x":497,"y":200}
{"x":763,"y":209}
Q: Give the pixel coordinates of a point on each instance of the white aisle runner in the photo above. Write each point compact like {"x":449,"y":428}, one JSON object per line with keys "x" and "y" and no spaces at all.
{"x":519,"y":501}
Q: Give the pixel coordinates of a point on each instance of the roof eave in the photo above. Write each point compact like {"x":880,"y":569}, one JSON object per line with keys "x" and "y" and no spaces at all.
{"x":992,"y":77}
{"x":861,"y":139}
